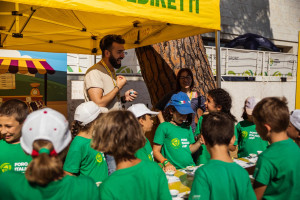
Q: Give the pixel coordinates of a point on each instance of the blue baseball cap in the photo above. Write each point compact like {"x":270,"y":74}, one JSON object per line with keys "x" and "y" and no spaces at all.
{"x":182,"y":103}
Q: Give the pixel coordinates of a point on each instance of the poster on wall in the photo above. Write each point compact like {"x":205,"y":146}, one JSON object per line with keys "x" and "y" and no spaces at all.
{"x":80,"y":63}
{"x":22,"y":84}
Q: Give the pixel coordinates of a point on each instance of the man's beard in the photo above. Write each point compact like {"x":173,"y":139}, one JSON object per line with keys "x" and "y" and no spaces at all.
{"x":114,"y":62}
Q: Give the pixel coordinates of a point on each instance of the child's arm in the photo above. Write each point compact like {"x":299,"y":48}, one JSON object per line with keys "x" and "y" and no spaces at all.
{"x":160,"y":117}
{"x":233,"y":144}
{"x":69,"y":173}
{"x":263,"y":173}
{"x":194,"y":147}
{"x":160,"y":158}
{"x":259,"y":189}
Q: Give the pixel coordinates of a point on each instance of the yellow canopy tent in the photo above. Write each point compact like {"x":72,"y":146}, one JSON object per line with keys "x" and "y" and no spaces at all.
{"x":77,"y":26}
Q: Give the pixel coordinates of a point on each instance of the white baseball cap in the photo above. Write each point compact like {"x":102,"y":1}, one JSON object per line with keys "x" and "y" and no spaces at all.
{"x":295,"y":119}
{"x":250,"y":103}
{"x":140,"y":109}
{"x":88,"y":112}
{"x":45,"y":124}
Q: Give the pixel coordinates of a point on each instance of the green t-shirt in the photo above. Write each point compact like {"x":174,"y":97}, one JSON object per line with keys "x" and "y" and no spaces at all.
{"x":221,"y":180}
{"x":15,"y":186}
{"x":278,"y":168}
{"x":83,"y":160}
{"x":175,"y":141}
{"x":13,"y":158}
{"x":146,"y":152}
{"x":249,"y":139}
{"x":146,"y":181}
{"x":202,"y":156}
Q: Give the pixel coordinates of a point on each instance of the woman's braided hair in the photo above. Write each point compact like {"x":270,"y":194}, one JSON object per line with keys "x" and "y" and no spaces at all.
{"x":223,"y":99}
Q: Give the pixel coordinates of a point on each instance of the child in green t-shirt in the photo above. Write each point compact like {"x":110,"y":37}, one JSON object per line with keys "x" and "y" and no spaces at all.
{"x":276,"y":174}
{"x":82,"y":160}
{"x":46,"y":137}
{"x":220,"y":178}
{"x":293,"y":129}
{"x":174,"y":140}
{"x":119,"y":133}
{"x":249,"y":142}
{"x":143,"y":115}
{"x":218,"y":100}
{"x":12,"y":116}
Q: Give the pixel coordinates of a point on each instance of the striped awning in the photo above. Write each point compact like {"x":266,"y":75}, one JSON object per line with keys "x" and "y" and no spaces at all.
{"x":25,"y":65}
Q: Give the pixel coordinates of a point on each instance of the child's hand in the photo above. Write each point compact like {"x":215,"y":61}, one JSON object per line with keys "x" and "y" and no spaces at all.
{"x":200,"y":141}
{"x":169,"y":167}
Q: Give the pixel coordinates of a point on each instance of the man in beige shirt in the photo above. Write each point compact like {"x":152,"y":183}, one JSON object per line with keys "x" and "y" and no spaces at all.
{"x":101,"y":84}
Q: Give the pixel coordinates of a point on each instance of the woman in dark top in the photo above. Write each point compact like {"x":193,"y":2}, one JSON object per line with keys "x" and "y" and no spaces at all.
{"x":184,"y":83}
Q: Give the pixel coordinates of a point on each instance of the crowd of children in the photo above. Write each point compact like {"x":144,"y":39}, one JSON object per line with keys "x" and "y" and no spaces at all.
{"x":40,"y":160}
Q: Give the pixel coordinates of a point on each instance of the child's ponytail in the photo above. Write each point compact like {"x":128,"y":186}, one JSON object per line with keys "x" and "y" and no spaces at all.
{"x":45,"y":168}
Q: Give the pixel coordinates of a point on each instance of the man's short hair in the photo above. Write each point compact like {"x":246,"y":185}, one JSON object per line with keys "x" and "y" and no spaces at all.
{"x":274,"y":112}
{"x":118,"y":133}
{"x":15,"y":108}
{"x":217,"y":128}
{"x":107,"y":41}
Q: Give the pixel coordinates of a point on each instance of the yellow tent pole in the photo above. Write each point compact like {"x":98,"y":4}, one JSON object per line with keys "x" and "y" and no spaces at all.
{"x":17,"y":18}
{"x":297,"y":106}
{"x":5,"y":32}
{"x":54,"y":22}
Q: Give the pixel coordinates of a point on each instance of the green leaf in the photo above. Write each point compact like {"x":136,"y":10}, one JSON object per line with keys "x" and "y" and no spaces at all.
{"x":231,"y":72}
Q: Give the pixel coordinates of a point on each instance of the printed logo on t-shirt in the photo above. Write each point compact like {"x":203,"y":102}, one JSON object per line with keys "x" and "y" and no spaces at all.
{"x":253,"y":135}
{"x":20,"y":166}
{"x":150,"y":156}
{"x":244,"y":134}
{"x":175,"y":143}
{"x":99,"y":158}
{"x":5,"y":167}
{"x":185,"y":143}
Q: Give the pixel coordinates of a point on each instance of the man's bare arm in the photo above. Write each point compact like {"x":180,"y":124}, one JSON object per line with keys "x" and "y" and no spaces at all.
{"x":96,"y":95}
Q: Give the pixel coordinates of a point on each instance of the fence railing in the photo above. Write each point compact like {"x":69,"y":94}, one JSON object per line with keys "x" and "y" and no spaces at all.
{"x":234,"y":62}
{"x":240,"y":62}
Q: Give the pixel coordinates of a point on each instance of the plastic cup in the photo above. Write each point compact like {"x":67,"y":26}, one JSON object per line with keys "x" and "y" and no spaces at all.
{"x":252,"y":155}
{"x":259,"y":152}
{"x":170,"y":173}
{"x":174,"y":193}
{"x":189,"y":169}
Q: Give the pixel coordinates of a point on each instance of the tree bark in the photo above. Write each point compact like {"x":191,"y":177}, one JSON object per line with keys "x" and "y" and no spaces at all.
{"x":160,"y":62}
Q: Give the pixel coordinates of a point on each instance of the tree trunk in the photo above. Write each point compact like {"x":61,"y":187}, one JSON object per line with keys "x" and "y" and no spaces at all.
{"x":160,"y":62}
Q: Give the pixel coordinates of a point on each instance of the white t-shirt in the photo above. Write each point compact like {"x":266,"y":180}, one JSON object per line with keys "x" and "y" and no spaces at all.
{"x":97,"y":77}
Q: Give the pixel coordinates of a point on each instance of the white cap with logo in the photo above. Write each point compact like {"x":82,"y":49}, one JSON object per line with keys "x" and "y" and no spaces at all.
{"x":140,"y":109}
{"x":45,"y":124}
